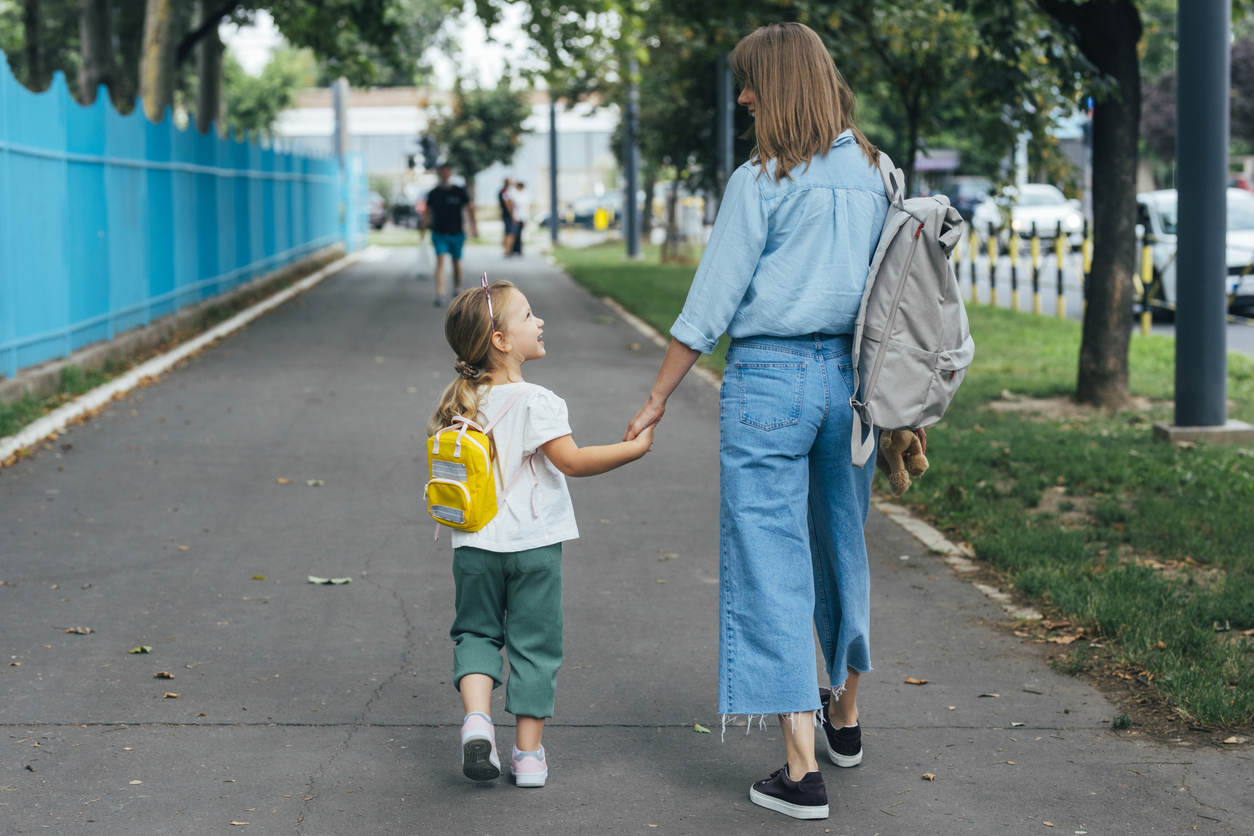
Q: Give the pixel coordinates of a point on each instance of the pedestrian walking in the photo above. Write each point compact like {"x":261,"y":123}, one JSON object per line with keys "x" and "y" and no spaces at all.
{"x":513,"y":564}
{"x":783,"y":275}
{"x":507,"y":215}
{"x":446,"y":205}
{"x":521,"y":200}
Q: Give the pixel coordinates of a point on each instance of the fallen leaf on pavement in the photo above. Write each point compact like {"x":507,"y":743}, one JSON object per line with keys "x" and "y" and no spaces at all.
{"x":170,"y":695}
{"x":1234,"y":740}
{"x":1063,"y":639}
{"x":82,"y":631}
{"x":1012,"y":763}
{"x":184,"y":548}
{"x":315,"y":579}
{"x":928,"y":776}
{"x":163,"y":675}
{"x":1160,"y":645}
{"x":910,"y":680}
{"x":239,"y":823}
{"x":952,"y":707}
{"x":1048,"y":823}
{"x":990,"y":695}
{"x":260,"y":578}
{"x":133,"y":783}
{"x":1018,"y":724}
{"x":700,"y":729}
{"x":284,"y":481}
{"x":315,"y":483}
{"x":15,"y":664}
{"x":633,"y":346}
{"x":143,"y":648}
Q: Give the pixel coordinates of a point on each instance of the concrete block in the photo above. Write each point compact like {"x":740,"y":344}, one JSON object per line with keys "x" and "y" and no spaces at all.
{"x":1233,"y":432}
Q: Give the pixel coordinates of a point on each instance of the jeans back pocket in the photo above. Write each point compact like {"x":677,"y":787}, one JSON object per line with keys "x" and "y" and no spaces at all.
{"x":770,"y":393}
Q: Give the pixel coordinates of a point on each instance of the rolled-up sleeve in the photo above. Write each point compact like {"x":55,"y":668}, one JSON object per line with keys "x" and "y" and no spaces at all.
{"x":730,"y":259}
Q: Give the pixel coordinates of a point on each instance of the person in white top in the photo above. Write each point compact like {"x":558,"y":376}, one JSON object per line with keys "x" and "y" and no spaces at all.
{"x":521,"y":200}
{"x":514,"y":563}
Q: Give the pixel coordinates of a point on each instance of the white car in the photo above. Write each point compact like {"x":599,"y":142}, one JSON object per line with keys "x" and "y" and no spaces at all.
{"x":1032,"y":203}
{"x":1156,"y":215}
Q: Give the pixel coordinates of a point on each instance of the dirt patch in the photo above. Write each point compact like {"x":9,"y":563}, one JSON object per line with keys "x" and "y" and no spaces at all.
{"x":1061,"y":408}
{"x":1070,"y":511}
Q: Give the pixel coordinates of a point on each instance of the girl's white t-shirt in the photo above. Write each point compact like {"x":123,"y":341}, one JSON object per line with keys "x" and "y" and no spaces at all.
{"x":539,"y":416}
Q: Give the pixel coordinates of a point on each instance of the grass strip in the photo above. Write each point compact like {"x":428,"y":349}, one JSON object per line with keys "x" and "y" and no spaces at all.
{"x":1148,"y":545}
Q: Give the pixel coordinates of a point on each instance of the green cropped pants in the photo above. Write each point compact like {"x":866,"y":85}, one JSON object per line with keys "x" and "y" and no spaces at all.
{"x":511,"y":600}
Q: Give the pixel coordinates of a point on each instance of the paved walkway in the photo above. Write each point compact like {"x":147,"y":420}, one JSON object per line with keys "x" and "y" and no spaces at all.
{"x":327,"y":709}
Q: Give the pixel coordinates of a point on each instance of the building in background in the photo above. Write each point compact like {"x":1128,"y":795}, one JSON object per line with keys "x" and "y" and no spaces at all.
{"x":385,"y":125}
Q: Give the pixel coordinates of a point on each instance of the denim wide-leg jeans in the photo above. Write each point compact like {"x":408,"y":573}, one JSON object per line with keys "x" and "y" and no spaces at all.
{"x":792,"y":549}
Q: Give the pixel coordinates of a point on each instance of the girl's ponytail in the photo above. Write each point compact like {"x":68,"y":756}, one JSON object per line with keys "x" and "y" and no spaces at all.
{"x":469,"y":329}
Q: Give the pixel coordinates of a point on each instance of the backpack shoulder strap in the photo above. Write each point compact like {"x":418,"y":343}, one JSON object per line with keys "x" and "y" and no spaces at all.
{"x":894,"y":180}
{"x":500,"y":413}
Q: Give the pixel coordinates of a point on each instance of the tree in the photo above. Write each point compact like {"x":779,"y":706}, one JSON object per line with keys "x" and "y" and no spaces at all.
{"x":156,"y":63}
{"x":1158,"y":116}
{"x":253,"y":103}
{"x":96,"y":37}
{"x":482,"y":127}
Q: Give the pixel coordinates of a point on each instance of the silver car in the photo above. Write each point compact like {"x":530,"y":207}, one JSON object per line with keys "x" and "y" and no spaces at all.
{"x":1156,"y":215}
{"x":1032,"y":203}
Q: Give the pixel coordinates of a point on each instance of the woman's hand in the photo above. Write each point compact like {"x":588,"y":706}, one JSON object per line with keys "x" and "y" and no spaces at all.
{"x":648,"y":416}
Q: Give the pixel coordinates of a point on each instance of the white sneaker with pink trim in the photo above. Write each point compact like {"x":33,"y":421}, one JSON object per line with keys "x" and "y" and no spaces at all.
{"x":479,"y":759}
{"x":531,"y":769}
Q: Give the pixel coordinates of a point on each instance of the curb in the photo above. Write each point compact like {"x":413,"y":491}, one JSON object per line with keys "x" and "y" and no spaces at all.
{"x":56,"y":421}
{"x":957,"y":555}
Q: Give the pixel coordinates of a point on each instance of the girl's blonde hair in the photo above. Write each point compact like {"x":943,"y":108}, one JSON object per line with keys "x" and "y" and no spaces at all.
{"x":803,"y":103}
{"x":469,"y":329}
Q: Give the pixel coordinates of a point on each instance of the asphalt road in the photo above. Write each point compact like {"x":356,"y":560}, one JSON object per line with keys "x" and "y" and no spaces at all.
{"x":307,"y":709}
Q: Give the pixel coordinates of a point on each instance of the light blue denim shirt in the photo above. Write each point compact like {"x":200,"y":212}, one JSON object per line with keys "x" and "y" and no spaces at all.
{"x":790,"y":258}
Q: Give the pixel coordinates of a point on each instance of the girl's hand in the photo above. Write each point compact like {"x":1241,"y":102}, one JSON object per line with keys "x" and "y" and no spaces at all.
{"x":644,"y":441}
{"x":648,"y":415}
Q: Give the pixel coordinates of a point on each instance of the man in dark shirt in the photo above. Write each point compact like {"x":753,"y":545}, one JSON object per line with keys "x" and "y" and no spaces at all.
{"x":445,"y":205}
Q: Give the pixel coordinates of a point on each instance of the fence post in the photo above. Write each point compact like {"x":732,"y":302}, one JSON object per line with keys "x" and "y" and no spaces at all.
{"x":8,"y":281}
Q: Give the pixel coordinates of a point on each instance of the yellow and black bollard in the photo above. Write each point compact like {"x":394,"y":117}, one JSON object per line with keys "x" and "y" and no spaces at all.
{"x":1086,"y":255}
{"x":973,"y":247}
{"x":1061,"y":245}
{"x":1147,"y":283}
{"x":1036,"y":271}
{"x":992,"y":265}
{"x":1012,"y":245}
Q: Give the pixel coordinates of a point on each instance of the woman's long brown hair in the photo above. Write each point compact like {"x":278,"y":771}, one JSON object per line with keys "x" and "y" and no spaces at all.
{"x":468,"y":329}
{"x":803,"y":103}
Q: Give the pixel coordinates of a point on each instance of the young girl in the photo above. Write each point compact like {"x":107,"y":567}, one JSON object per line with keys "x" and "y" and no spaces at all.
{"x":513,"y":564}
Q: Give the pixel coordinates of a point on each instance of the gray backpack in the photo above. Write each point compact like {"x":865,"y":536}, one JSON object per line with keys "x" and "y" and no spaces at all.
{"x":911,"y":342}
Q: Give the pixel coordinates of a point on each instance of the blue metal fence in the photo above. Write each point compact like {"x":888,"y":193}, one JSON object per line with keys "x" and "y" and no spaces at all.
{"x":109,"y":221}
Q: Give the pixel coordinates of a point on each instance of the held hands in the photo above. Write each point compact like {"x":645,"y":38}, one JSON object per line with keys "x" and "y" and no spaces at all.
{"x":646,"y":418}
{"x":644,"y":441}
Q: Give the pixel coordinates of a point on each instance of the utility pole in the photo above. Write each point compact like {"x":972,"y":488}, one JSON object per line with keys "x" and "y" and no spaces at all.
{"x":554,"y":222}
{"x":725,"y":90}
{"x":631,"y":164}
{"x":1202,"y":103}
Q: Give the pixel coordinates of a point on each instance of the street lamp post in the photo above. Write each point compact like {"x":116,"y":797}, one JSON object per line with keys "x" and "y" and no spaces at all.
{"x":1202,"y":103}
{"x":554,"y":221}
{"x":631,"y":164}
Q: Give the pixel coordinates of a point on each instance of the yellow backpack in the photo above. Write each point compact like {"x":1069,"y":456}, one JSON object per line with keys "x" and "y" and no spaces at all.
{"x":461,"y":491}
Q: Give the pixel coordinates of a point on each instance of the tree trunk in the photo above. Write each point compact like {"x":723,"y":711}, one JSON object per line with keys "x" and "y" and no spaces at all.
{"x":129,"y":25}
{"x":470,"y":190}
{"x":1107,"y":32}
{"x":96,"y":46}
{"x":646,"y":218}
{"x":156,"y":64}
{"x":208,"y":75}
{"x":33,"y":25}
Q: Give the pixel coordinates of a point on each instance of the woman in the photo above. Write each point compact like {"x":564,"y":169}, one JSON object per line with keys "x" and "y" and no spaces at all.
{"x":783,"y":275}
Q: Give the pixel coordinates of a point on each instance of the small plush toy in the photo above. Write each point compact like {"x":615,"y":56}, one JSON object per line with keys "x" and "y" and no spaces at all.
{"x":900,"y":456}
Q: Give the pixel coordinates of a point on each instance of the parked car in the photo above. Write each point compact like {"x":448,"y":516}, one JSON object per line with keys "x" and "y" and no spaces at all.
{"x":1032,"y":203}
{"x":408,"y":213}
{"x":1156,"y":215}
{"x":966,"y":193}
{"x":378,"y":210}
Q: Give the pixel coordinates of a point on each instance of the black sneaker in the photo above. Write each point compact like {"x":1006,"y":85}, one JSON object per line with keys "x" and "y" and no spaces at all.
{"x":844,"y":746}
{"x":804,"y":799}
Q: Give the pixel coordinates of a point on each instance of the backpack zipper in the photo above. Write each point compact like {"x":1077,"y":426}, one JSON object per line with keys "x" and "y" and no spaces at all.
{"x":892,"y":317}
{"x":446,"y":482}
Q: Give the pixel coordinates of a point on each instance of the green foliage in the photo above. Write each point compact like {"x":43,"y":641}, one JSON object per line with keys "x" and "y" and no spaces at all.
{"x":482,"y":127}
{"x":254,"y":102}
{"x":59,"y":40}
